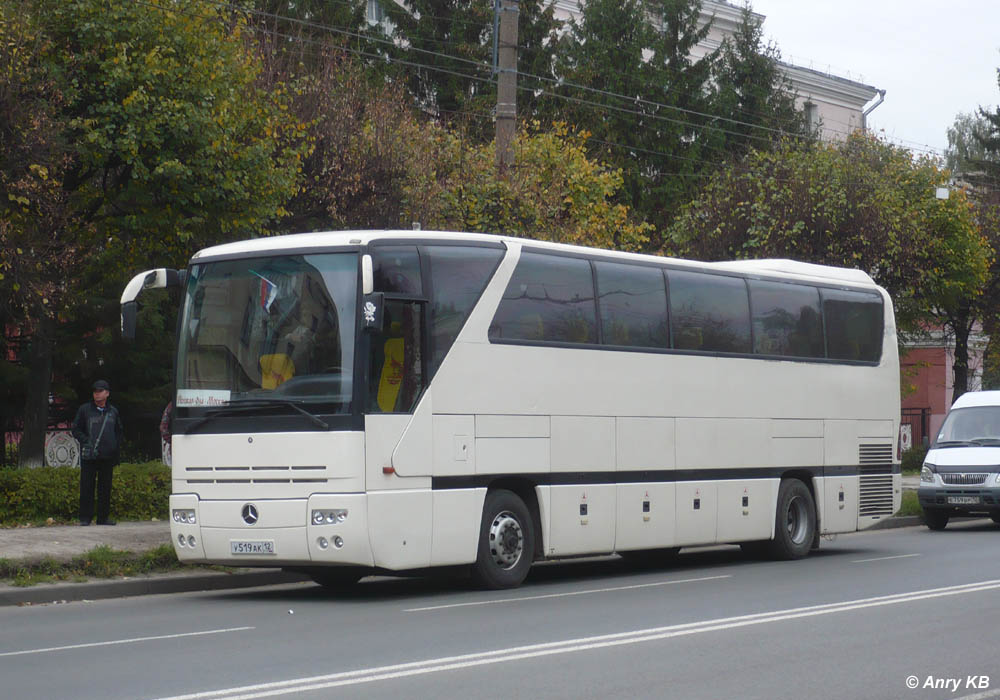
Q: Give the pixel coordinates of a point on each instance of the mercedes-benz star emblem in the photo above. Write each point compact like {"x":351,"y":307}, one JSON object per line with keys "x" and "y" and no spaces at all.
{"x":250,"y":514}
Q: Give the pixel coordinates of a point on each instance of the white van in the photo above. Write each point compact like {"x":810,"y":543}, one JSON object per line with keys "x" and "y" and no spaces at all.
{"x":961,"y":473}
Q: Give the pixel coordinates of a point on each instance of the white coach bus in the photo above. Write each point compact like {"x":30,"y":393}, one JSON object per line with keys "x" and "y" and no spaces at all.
{"x":391,"y":401}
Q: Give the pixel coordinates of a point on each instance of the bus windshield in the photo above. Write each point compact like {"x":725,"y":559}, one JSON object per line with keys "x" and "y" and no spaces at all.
{"x":277,"y":329}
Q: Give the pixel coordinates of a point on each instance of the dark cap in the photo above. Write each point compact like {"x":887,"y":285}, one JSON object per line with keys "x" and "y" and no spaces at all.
{"x":101,"y":384}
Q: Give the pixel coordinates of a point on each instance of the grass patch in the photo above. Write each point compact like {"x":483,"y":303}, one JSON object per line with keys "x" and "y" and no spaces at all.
{"x":99,"y":562}
{"x":910,"y":504}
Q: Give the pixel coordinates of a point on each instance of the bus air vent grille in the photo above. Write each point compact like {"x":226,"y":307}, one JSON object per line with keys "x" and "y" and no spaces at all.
{"x":257,"y":475}
{"x":875,"y":484}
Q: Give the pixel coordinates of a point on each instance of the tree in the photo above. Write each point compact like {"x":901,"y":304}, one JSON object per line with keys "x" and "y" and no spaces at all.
{"x":863,"y":203}
{"x":559,"y":194}
{"x":162,"y":143}
{"x":447,"y":48}
{"x":752,"y":94}
{"x":971,"y":162}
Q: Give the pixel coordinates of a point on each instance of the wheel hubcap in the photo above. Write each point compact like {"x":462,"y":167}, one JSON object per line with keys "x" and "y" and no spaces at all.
{"x":797,"y":521}
{"x":506,"y":540}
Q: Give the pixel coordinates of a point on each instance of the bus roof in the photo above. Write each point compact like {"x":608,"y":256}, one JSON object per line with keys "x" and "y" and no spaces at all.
{"x":326,"y":239}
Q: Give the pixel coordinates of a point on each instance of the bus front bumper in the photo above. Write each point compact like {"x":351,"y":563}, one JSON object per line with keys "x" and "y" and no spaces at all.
{"x":326,"y":529}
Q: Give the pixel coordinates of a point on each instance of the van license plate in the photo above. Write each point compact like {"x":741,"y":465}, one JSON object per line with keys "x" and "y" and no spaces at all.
{"x":963,"y":500}
{"x":255,"y":547}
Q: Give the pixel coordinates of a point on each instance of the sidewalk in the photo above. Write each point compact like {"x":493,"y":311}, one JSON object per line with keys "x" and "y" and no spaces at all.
{"x":64,"y":542}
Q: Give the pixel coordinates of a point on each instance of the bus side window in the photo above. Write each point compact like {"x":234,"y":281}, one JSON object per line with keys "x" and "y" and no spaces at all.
{"x":709,"y":312}
{"x":549,"y":298}
{"x":396,"y":366}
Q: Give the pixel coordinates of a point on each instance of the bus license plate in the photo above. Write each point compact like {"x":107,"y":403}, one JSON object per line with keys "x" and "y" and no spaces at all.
{"x":963,"y":500}
{"x":256,"y":547}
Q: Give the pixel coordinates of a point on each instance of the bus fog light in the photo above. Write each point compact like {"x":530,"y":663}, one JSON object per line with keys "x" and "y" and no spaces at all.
{"x":191,"y":541}
{"x":181,"y":541}
{"x":329,"y":517}
{"x":322,"y":542}
{"x":338,"y":541}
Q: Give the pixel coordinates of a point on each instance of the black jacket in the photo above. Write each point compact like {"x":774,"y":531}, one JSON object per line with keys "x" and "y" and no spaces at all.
{"x":87,"y":426}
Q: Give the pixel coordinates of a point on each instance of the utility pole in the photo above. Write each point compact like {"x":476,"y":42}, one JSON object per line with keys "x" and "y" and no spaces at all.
{"x":507,"y":10}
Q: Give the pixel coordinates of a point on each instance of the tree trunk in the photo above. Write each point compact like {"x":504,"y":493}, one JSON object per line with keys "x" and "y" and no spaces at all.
{"x":36,"y":403}
{"x":963,"y":327}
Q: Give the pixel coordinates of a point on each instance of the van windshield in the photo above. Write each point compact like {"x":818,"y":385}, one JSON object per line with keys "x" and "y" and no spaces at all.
{"x":975,"y":425}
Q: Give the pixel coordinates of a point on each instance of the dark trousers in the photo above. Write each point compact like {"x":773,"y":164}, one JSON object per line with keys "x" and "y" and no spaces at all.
{"x":99,"y":469}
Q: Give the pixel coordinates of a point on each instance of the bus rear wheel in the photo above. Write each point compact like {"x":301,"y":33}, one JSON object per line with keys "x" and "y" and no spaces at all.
{"x":506,"y":541}
{"x":795,"y":522}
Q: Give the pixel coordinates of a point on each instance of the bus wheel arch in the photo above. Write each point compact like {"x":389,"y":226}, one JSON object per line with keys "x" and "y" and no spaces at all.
{"x":796,"y":521}
{"x":507,"y":540}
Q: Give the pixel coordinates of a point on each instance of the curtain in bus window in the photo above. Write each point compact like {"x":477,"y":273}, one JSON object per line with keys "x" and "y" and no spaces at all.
{"x":633,"y":305}
{"x":786,"y":319}
{"x":549,"y":298}
{"x":709,"y":312}
{"x":459,"y":275}
{"x":853,"y":325}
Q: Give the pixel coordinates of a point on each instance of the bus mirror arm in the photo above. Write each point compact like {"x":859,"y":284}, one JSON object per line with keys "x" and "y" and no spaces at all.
{"x":160,"y":278}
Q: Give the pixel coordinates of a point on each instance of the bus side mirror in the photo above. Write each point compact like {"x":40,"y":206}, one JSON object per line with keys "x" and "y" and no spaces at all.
{"x":128,"y":320}
{"x":160,"y":278}
{"x":371,"y":311}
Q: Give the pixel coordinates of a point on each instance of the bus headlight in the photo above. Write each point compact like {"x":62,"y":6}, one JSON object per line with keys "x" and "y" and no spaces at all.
{"x":329,"y":517}
{"x":184,"y":515}
{"x":926,"y":475}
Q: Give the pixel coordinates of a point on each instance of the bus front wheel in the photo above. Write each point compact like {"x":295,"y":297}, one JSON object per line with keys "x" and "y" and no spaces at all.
{"x":795,"y":522}
{"x":506,"y":541}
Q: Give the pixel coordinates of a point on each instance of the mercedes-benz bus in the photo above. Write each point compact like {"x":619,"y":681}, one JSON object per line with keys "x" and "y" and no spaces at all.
{"x":391,"y":401}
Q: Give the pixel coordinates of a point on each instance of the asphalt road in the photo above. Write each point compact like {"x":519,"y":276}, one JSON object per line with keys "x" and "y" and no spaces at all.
{"x":856,"y":620}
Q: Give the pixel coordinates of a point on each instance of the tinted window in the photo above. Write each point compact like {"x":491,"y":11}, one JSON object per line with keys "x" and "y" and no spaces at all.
{"x":633,"y":305}
{"x":397,"y":270}
{"x":459,"y":275}
{"x":549,"y":298}
{"x":853,"y":325}
{"x":709,"y":312}
{"x":786,"y":319}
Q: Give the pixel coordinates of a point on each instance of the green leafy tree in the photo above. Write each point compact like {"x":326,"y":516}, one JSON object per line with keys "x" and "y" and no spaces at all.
{"x":863,"y":203}
{"x":973,"y":163}
{"x":161,"y":142}
{"x":559,"y":194}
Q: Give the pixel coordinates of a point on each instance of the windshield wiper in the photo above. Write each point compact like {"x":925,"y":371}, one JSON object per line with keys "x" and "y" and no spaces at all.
{"x":244,"y":405}
{"x":958,"y":443}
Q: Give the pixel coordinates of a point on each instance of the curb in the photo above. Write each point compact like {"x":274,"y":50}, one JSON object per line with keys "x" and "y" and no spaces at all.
{"x":900,"y":521}
{"x":152,"y":585}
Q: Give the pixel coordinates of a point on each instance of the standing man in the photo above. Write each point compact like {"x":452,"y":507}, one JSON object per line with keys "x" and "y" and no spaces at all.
{"x":98,"y":428}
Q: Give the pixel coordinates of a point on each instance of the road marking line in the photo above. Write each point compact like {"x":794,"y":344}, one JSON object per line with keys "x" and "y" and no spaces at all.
{"x":564,"y":595}
{"x":414,"y":668}
{"x":980,"y":696}
{"x":898,"y":556}
{"x":125,"y":641}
